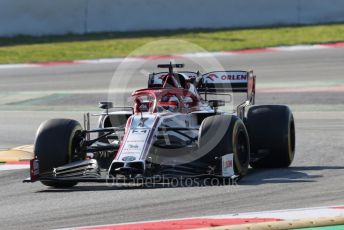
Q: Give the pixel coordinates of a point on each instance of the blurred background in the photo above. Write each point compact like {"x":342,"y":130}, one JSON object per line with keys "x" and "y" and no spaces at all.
{"x":41,"y":17}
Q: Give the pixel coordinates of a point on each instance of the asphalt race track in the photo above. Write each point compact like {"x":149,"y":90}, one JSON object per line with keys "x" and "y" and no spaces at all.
{"x":30,"y":95}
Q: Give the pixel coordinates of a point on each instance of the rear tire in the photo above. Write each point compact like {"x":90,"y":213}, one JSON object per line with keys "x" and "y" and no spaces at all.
{"x":271,"y":130}
{"x":233,"y":139}
{"x":54,"y":146}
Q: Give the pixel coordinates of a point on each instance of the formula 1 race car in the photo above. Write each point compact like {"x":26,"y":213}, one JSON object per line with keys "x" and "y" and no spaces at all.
{"x":172,"y":130}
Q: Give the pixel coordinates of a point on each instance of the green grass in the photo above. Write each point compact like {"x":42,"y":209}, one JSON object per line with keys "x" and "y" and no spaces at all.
{"x":23,"y":49}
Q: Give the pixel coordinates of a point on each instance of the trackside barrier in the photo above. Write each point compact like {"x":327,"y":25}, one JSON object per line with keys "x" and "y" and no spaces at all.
{"x":46,"y":17}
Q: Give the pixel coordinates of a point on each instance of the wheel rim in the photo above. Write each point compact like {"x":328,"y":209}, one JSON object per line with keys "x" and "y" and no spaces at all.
{"x":242,"y":148}
{"x":291,"y":140}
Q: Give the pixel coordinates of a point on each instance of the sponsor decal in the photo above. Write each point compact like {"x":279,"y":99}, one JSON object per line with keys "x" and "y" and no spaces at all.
{"x":129,"y":158}
{"x":212,"y":76}
{"x":227,"y":165}
{"x":220,"y":77}
{"x":139,"y":131}
{"x":34,"y":169}
{"x":134,"y":144}
{"x":234,"y":77}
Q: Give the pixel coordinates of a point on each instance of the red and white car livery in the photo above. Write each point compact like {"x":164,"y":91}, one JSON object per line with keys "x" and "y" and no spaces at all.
{"x":172,"y":130}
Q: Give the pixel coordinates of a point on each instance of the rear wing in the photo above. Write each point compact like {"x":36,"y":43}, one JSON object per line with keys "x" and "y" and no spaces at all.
{"x":222,"y":82}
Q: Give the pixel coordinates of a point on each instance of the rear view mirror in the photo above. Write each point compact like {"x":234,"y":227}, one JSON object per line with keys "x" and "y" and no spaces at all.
{"x":216,"y":103}
{"x":105,"y":105}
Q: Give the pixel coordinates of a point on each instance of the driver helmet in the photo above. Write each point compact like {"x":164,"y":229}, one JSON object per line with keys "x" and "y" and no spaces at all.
{"x":169,"y":102}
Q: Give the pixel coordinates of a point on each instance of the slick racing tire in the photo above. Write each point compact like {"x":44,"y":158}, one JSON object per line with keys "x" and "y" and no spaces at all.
{"x":224,"y":134}
{"x":271,"y":130}
{"x":54,"y":146}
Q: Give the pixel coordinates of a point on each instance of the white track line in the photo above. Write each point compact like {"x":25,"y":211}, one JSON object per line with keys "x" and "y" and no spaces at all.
{"x":6,"y":167}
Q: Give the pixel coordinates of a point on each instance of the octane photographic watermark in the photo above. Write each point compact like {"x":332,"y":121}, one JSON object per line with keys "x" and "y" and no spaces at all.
{"x":132,"y":74}
{"x":161,"y":181}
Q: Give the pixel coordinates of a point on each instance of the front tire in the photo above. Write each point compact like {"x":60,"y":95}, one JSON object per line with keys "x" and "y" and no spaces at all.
{"x":224,"y":134}
{"x":54,"y":146}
